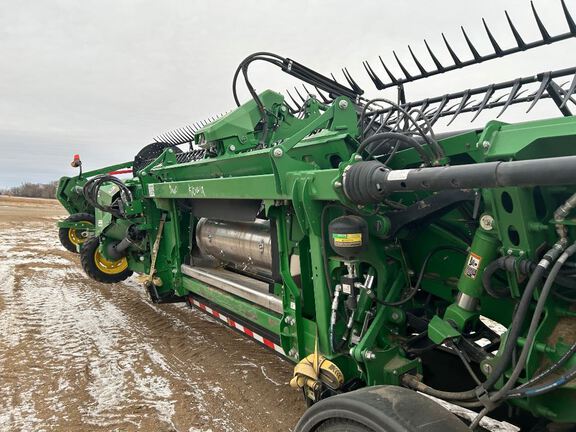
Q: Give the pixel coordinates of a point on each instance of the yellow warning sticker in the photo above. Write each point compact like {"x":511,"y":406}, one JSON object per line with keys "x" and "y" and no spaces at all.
{"x":347,"y":240}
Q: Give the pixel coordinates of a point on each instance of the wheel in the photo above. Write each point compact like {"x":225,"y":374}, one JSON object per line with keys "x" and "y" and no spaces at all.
{"x":379,"y":409}
{"x":98,"y":267}
{"x":72,"y":237}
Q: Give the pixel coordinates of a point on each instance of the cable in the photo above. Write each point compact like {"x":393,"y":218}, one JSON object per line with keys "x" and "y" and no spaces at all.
{"x":416,"y":286}
{"x":92,"y":188}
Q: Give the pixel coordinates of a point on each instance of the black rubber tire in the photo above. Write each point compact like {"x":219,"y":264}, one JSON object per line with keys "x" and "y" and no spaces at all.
{"x":380,"y":409}
{"x":89,"y":265}
{"x":342,"y":425}
{"x":63,"y":233}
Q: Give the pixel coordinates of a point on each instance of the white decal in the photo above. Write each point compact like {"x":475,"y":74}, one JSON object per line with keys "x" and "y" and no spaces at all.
{"x":151,"y":190}
{"x":173,"y":189}
{"x":398,"y":174}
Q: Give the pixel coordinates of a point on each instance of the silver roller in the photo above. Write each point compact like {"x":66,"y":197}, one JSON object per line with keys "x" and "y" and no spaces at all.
{"x":245,"y":245}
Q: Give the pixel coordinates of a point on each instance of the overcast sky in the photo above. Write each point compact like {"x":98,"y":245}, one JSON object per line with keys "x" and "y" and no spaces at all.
{"x":102,"y":78}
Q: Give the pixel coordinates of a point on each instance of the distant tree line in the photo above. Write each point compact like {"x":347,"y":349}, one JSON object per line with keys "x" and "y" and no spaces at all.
{"x":32,"y":190}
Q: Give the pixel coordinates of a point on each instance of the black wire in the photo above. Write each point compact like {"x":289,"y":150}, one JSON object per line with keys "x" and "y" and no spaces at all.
{"x":416,"y":286}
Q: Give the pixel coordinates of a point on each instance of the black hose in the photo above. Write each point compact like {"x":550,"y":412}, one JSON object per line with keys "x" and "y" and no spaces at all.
{"x":385,"y":136}
{"x":92,"y":188}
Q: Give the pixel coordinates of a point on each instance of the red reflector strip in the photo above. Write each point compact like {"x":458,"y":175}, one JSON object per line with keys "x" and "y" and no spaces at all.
{"x":238,"y":326}
{"x":124,"y":171}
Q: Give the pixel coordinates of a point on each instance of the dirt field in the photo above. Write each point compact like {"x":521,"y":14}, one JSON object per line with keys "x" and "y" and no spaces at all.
{"x":76,"y":355}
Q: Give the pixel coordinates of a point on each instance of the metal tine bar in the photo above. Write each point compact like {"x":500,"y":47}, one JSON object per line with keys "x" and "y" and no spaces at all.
{"x":416,"y":62}
{"x":463,"y":103}
{"x":497,"y":50}
{"x":545,"y":35}
{"x":375,"y":79}
{"x":519,"y":41}
{"x":521,"y":45}
{"x":569,"y":92}
{"x":511,"y":96}
{"x":546,"y":78}
{"x":434,"y":58}
{"x":392,"y":77}
{"x":455,"y":58}
{"x":569,"y":20}
{"x":402,"y":68}
{"x":488,"y":92}
{"x":472,"y":48}
{"x":299,"y":95}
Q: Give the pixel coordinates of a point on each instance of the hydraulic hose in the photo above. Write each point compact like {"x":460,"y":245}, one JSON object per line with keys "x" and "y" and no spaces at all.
{"x":534,"y":323}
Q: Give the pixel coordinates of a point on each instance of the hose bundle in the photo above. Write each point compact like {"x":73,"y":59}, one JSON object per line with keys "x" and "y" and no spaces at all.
{"x":92,"y":188}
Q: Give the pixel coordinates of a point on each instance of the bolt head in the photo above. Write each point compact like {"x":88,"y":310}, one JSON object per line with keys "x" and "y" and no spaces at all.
{"x":357,"y":158}
{"x":486,"y":145}
{"x":487,"y":222}
{"x":277,"y":152}
{"x":487,"y":368}
{"x":337,"y":185}
{"x":232,"y":147}
{"x":343,"y":104}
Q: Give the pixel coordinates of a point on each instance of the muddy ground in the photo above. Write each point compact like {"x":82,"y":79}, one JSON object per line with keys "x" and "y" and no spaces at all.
{"x":77,"y":355}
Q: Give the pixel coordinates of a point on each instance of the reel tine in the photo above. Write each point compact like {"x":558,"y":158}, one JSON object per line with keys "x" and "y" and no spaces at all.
{"x":392,"y":77}
{"x":569,"y":92}
{"x":324,"y":99}
{"x":455,"y":58}
{"x":418,"y":64}
{"x":569,"y":19}
{"x":511,"y":96}
{"x":519,"y":41}
{"x":493,"y":42}
{"x":402,"y":68}
{"x":545,"y":35}
{"x":434,"y":58}
{"x":439,"y":110}
{"x":484,"y":102}
{"x":308,"y":92}
{"x":472,"y":48}
{"x":546,"y":78}
{"x":377,"y":81}
{"x":353,"y":84}
{"x":299,"y":95}
{"x":298,"y":106}
{"x":463,"y":103}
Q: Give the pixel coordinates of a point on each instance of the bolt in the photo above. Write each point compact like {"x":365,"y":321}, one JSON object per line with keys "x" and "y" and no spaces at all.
{"x":486,"y":145}
{"x":232,"y":148}
{"x":369,"y":355}
{"x":142,"y":258}
{"x":289,"y":320}
{"x":143,"y":173}
{"x":292,"y":352}
{"x":509,"y":251}
{"x":487,"y":222}
{"x":487,"y":368}
{"x":343,"y":104}
{"x":337,"y":185}
{"x":170,"y":151}
{"x":357,"y":158}
{"x":277,"y":152}
{"x":395,"y":316}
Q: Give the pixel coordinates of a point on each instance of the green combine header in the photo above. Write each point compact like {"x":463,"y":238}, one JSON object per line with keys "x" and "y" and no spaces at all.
{"x":405,"y":272}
